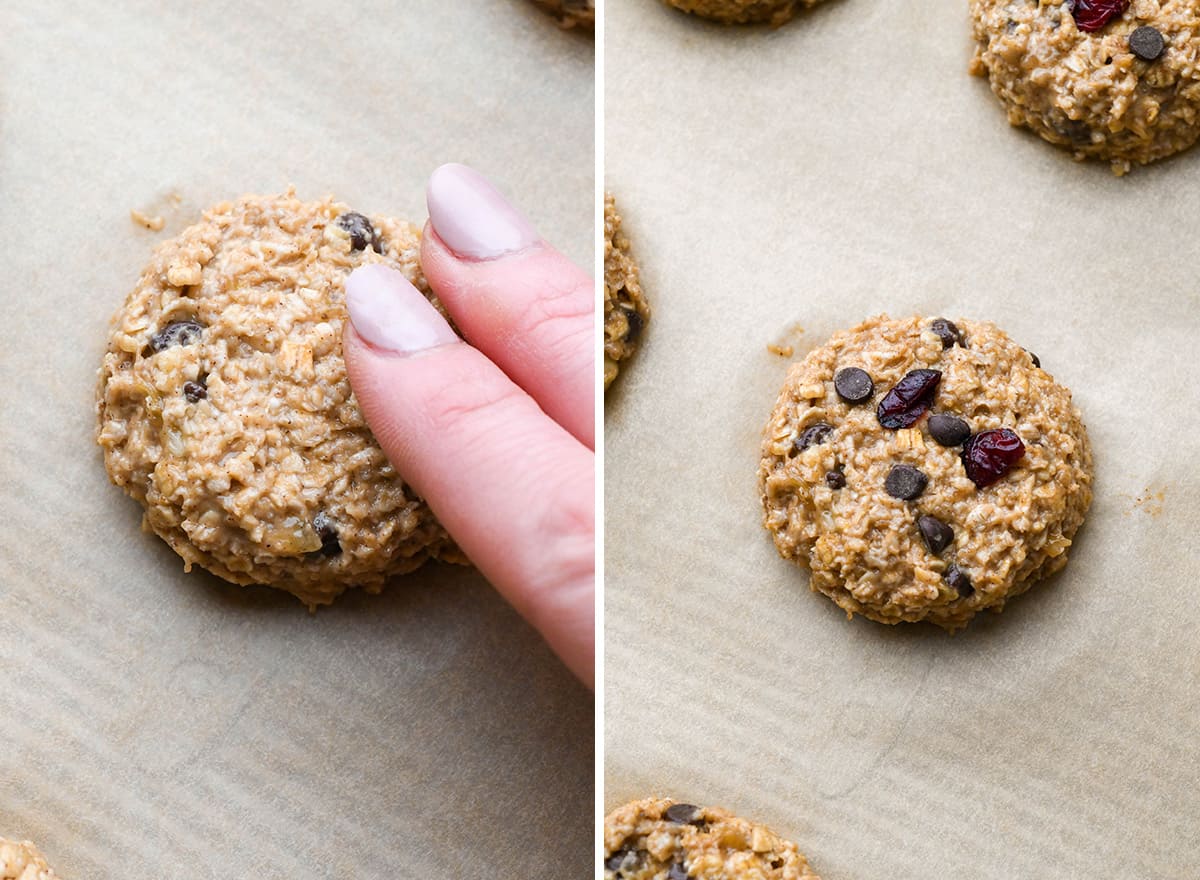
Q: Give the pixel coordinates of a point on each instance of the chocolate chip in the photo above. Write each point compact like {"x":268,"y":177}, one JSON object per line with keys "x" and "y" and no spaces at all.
{"x":1033,"y":357}
{"x":1147,"y":43}
{"x":853,"y":385}
{"x":327,"y":532}
{"x":195,"y":391}
{"x":683,"y":814}
{"x":947,"y":332}
{"x":948,"y":430}
{"x":175,"y":333}
{"x":956,"y":578}
{"x":635,"y":322}
{"x":905,"y":482}
{"x":835,"y":479}
{"x":776,"y":864}
{"x":678,"y":872}
{"x":936,"y":533}
{"x":361,"y":231}
{"x":617,"y":860}
{"x":1076,"y":131}
{"x":812,"y":436}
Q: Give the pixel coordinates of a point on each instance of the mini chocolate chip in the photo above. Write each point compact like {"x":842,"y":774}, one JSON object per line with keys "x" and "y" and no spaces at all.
{"x":1076,"y":131}
{"x":948,"y":430}
{"x":634,"y":320}
{"x":956,"y":578}
{"x":361,"y":231}
{"x":683,"y":814}
{"x":1147,"y":43}
{"x":947,"y":332}
{"x":678,"y":872}
{"x":835,"y":479}
{"x":812,"y":436}
{"x":853,"y":385}
{"x":1033,"y":357}
{"x":905,"y":482}
{"x":327,"y":532}
{"x":936,"y":533}
{"x":776,"y":864}
{"x":195,"y":391}
{"x":175,"y":333}
{"x":616,"y":861}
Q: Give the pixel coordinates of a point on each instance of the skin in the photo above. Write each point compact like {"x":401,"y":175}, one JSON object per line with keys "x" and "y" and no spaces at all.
{"x":496,"y":430}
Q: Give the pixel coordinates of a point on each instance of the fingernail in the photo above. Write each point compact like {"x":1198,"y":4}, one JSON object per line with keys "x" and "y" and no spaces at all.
{"x":389,"y":313}
{"x":472,"y":217}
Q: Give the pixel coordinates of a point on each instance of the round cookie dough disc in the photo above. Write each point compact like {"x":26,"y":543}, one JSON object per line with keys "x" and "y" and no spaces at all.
{"x":22,"y":861}
{"x":1088,"y":91}
{"x":828,"y":465}
{"x":225,"y":410}
{"x":656,"y":838}
{"x":571,"y":13}
{"x":776,"y":12}
{"x":625,"y":309}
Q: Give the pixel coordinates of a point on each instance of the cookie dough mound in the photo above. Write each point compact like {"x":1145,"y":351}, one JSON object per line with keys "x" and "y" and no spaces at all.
{"x":22,"y":861}
{"x":1128,"y":92}
{"x":775,"y":12}
{"x":924,"y":470}
{"x":571,"y":13}
{"x":654,"y":839}
{"x":625,"y":309}
{"x":225,"y":410}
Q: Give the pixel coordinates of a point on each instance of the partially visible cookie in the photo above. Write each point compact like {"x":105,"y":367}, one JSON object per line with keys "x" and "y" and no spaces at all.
{"x":658,"y":839}
{"x":571,"y":13}
{"x":22,"y":861}
{"x":775,"y":12}
{"x":625,"y":309}
{"x":924,"y":469}
{"x":224,"y":407}
{"x":1105,"y":79}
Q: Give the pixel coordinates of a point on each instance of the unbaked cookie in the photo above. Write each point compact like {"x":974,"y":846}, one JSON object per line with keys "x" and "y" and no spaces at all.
{"x":657,"y":839}
{"x":22,"y":861}
{"x":1107,"y":79}
{"x":571,"y":13}
{"x":625,"y":309}
{"x":775,"y":12}
{"x":924,"y":470}
{"x":225,"y":410}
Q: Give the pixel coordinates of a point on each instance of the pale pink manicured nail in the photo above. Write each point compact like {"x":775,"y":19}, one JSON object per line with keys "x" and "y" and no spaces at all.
{"x":472,"y":217}
{"x":389,"y":313}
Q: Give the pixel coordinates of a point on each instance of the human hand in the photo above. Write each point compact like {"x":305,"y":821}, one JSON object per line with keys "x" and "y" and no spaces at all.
{"x":495,"y":432}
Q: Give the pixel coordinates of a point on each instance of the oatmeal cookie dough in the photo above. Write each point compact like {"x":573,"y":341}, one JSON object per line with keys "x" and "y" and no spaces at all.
{"x":571,"y":13}
{"x":924,"y":469}
{"x":656,"y":838}
{"x":625,"y":309}
{"x":22,"y":861}
{"x":1106,"y":79}
{"x":225,"y":410}
{"x":775,"y":12}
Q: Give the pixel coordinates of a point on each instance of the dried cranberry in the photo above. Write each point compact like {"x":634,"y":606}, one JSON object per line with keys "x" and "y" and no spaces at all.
{"x":1091,"y":15}
{"x":989,"y":455}
{"x":907,"y":402}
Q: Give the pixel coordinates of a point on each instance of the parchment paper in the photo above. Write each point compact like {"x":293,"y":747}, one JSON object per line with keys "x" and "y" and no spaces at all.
{"x":159,"y":725}
{"x":779,"y":185}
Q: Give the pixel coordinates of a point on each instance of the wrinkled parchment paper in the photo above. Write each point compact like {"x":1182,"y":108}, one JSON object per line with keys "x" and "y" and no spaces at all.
{"x":777,"y":186}
{"x":156,"y":724}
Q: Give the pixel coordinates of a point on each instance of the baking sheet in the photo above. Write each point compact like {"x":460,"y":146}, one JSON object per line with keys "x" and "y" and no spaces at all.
{"x":160,"y":725}
{"x":779,"y":185}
